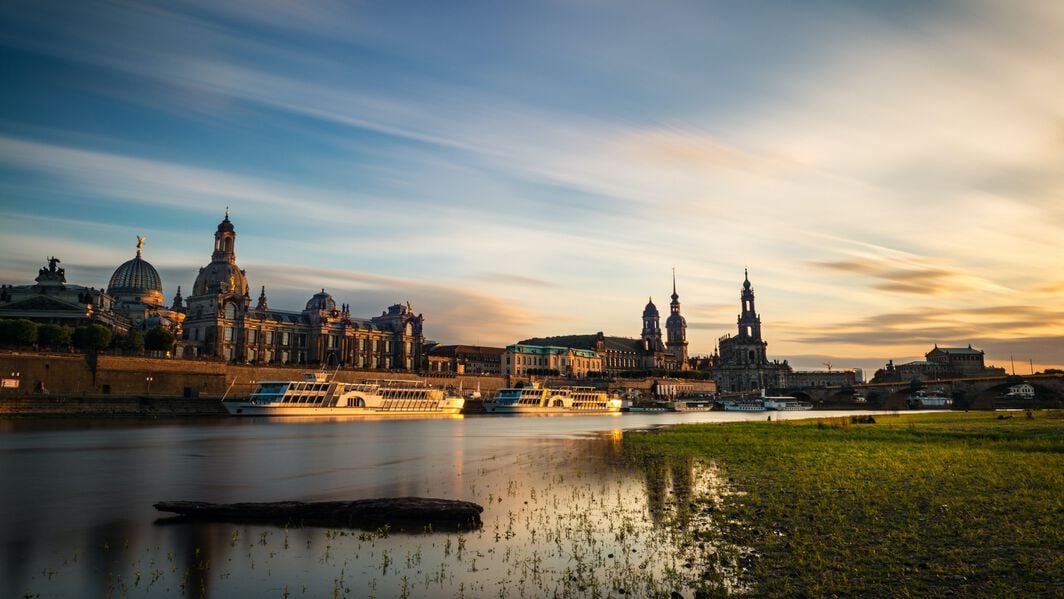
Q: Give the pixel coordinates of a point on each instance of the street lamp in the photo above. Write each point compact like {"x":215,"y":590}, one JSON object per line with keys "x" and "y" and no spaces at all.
{"x":149,"y":379}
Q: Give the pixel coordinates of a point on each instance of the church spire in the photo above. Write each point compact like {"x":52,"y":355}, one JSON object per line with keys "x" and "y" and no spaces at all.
{"x":676,"y":329}
{"x":178,"y":300}
{"x":262,"y":305}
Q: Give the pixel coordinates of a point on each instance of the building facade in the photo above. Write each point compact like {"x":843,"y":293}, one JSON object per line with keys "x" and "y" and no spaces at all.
{"x":465,"y":359}
{"x":819,"y":378}
{"x":939,"y":363}
{"x":626,"y":354}
{"x":222,"y":323}
{"x":524,"y":359}
{"x":51,"y":300}
{"x":958,"y":361}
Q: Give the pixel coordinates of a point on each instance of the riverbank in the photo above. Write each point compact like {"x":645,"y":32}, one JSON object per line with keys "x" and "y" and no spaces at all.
{"x":109,"y":406}
{"x":912,"y":505}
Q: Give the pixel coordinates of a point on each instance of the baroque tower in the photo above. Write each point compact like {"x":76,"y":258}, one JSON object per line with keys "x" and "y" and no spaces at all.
{"x":749,"y":321}
{"x":676,"y":328}
{"x":743,"y":364}
{"x":652,"y":328}
{"x":219,"y":300}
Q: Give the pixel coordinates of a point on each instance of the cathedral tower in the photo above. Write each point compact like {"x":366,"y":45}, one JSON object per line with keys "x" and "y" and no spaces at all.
{"x":749,"y":321}
{"x":652,"y":328}
{"x":676,"y":328}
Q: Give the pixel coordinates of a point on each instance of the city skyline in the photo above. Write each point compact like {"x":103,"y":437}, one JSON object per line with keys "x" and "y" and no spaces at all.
{"x":891,"y":174}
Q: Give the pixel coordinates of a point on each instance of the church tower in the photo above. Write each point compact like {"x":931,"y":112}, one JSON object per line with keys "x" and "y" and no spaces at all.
{"x":219,"y":300}
{"x":676,"y":328}
{"x":652,"y":328}
{"x":749,"y":321}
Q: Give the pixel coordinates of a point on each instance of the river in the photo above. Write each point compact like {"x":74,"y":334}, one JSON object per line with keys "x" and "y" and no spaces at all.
{"x":564,"y":515}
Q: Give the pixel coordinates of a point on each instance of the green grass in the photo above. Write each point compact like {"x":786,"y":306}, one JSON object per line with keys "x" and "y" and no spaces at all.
{"x":921,"y":505}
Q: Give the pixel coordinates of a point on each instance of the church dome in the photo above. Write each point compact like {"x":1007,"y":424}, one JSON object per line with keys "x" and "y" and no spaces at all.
{"x":135,"y":275}
{"x":220,"y":277}
{"x":651,"y":310}
{"x":674,"y":320}
{"x":321,"y":301}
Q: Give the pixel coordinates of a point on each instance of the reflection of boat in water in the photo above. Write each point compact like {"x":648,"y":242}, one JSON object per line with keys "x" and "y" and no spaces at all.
{"x":315,"y":395}
{"x":542,"y":400}
{"x":930,"y":399}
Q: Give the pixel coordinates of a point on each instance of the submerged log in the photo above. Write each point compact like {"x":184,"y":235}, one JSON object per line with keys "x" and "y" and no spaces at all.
{"x":400,"y":513}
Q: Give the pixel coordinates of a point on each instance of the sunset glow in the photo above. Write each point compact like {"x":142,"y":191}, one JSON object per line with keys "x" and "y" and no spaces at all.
{"x":891,"y":173}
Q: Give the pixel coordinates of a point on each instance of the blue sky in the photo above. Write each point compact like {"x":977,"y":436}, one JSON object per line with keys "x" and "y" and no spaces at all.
{"x":892,"y":173}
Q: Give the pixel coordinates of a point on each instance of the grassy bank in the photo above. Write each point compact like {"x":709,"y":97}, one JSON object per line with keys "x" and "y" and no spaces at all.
{"x":918,"y":505}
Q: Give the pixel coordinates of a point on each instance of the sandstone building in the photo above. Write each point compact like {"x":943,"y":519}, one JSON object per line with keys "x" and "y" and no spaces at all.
{"x":221,"y":322}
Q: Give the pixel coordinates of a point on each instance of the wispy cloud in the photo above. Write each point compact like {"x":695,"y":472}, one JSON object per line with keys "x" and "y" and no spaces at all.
{"x":865,"y":185}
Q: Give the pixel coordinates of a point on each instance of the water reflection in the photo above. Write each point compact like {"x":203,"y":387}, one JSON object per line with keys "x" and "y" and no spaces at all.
{"x":566,"y":513}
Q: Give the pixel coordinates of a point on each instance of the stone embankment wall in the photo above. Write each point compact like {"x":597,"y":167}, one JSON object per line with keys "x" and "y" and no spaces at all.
{"x":160,"y":386}
{"x":158,"y":406}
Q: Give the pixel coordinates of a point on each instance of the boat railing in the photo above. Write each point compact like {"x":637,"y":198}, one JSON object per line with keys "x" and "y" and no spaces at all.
{"x":394,"y":383}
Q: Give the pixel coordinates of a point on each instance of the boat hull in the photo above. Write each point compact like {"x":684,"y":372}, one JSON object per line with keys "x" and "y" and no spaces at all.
{"x":493,"y":408}
{"x":250,"y":409}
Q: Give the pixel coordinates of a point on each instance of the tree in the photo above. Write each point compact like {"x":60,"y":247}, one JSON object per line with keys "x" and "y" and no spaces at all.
{"x":18,"y":332}
{"x":160,"y":339}
{"x":53,"y":336}
{"x":131,"y":343}
{"x":91,"y":338}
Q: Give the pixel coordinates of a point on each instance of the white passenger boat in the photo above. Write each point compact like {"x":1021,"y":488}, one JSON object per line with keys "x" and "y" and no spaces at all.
{"x":743,"y":405}
{"x":785,"y":403}
{"x":930,"y":399}
{"x":315,"y":395}
{"x":541,"y":400}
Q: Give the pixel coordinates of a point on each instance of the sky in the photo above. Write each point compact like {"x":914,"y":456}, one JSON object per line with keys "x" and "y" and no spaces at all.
{"x":891,"y":173}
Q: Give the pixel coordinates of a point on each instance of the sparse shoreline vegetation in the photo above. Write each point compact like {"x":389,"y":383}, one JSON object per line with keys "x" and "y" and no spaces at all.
{"x":919,"y":505}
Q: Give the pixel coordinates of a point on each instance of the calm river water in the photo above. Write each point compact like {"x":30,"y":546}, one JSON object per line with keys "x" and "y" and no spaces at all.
{"x":564,"y":514}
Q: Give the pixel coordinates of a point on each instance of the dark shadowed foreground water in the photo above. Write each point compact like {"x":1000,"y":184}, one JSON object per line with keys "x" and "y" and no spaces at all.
{"x":564,"y":514}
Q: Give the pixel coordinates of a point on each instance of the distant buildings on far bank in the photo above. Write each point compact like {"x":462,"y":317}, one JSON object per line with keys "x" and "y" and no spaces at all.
{"x":939,"y":363}
{"x":219,"y":320}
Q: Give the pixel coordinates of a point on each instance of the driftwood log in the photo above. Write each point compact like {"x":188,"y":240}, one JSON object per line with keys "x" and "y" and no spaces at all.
{"x":412,"y":514}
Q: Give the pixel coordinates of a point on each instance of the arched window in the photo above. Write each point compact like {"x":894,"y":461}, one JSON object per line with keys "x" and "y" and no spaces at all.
{"x":230,"y":310}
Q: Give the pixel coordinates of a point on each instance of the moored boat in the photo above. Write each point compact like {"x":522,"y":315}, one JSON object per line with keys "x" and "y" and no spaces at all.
{"x":785,"y":404}
{"x":743,"y":405}
{"x":315,"y":395}
{"x":930,"y":399}
{"x":543,"y":400}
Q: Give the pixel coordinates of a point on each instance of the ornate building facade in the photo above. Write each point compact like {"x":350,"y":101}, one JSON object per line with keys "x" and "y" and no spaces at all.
{"x":742,"y":363}
{"x":222,"y":323}
{"x":52,"y":300}
{"x":625,"y":354}
{"x":137,"y":290}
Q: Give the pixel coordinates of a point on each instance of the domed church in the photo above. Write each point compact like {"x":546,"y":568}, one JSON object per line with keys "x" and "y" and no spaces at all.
{"x":221,"y":322}
{"x":137,"y":290}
